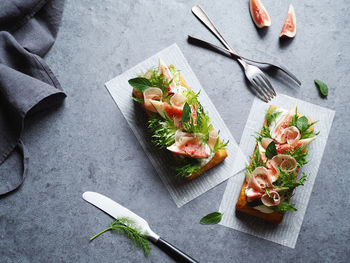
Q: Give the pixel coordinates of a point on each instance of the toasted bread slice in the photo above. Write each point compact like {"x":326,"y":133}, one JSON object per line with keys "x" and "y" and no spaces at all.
{"x":219,"y":156}
{"x":241,"y":205}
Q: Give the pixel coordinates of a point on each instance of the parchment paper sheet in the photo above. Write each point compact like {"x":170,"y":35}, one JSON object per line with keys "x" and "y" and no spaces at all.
{"x":287,"y":232}
{"x":182,"y":191}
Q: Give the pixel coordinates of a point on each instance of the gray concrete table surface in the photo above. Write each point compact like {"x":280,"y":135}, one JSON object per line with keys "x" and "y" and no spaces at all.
{"x":86,"y":143}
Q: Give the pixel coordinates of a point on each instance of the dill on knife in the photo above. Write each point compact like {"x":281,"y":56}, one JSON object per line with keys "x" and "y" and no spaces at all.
{"x":127,"y":227}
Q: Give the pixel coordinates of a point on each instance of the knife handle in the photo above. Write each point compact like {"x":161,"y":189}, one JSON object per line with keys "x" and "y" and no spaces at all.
{"x":174,"y":252}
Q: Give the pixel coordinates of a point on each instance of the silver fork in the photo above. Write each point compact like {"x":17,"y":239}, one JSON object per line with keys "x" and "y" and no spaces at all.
{"x":255,"y":76}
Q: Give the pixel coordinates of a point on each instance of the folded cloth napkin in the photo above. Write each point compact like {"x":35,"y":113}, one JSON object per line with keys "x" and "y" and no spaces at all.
{"x":28,"y":29}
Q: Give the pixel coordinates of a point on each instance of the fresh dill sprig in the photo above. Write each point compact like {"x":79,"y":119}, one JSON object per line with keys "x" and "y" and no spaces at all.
{"x":187,"y":167}
{"x":163,"y":131}
{"x":127,"y":227}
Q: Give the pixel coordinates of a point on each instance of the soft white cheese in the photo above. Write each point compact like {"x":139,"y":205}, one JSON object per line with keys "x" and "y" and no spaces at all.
{"x":263,"y":209}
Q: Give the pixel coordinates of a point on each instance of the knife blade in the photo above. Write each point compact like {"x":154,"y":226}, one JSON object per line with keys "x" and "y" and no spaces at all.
{"x":117,"y":210}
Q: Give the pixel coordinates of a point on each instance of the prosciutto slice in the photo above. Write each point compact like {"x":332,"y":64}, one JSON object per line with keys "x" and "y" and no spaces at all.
{"x":274,"y":200}
{"x":292,"y":135}
{"x":284,"y":148}
{"x":213,"y":137}
{"x":284,"y":162}
{"x":152,"y":94}
{"x":277,"y":132}
{"x":258,"y":180}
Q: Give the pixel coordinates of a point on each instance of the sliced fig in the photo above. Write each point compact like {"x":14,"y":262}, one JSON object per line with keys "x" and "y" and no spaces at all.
{"x":284,"y":148}
{"x":252,"y":194}
{"x":289,"y":28}
{"x":259,"y":14}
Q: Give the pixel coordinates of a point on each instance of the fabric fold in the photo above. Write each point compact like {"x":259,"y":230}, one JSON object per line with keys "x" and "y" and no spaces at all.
{"x":28,"y":29}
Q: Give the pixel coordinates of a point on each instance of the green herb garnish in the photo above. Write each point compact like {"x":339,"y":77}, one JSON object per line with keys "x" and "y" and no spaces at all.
{"x":163,"y":131}
{"x":219,"y":145}
{"x":272,"y":117}
{"x":302,"y":124}
{"x":187,"y":167}
{"x":186,"y":113}
{"x":191,"y":97}
{"x":288,"y":180}
{"x":211,"y":219}
{"x":322,"y":87}
{"x":141,"y":101}
{"x":200,"y":125}
{"x":255,"y":161}
{"x":128,"y":227}
{"x":271,"y":150}
{"x":140,"y":84}
{"x":283,"y":207}
{"x":265,"y":133}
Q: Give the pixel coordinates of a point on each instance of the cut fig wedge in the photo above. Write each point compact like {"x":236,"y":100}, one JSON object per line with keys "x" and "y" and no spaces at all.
{"x":289,"y":28}
{"x":259,"y":14}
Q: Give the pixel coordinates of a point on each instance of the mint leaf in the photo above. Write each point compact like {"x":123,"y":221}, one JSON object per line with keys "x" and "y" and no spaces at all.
{"x":211,"y":219}
{"x":302,"y":124}
{"x":186,"y":113}
{"x":272,"y":117}
{"x":271,"y":150}
{"x":322,"y":87}
{"x":140,"y":84}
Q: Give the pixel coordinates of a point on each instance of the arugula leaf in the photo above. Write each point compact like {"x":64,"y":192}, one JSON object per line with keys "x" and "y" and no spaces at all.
{"x":295,"y":117}
{"x":322,"y":87}
{"x":186,"y":113}
{"x":140,"y":84}
{"x":187,"y":167}
{"x":211,"y":219}
{"x":128,"y":227}
{"x":271,"y":150}
{"x":272,"y":117}
{"x":255,"y":161}
{"x":302,"y":124}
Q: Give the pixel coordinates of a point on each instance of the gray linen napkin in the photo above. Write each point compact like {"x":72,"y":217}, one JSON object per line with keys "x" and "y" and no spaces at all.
{"x":28,"y":29}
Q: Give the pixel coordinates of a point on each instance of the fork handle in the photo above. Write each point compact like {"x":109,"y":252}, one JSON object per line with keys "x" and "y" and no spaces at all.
{"x":202,"y":16}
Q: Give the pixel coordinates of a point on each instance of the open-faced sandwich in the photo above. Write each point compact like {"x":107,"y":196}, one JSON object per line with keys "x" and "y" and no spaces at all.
{"x":178,"y":121}
{"x":272,"y":175}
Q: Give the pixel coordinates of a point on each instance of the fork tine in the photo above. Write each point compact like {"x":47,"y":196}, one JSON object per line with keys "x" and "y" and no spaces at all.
{"x":264,"y":86}
{"x":258,"y":89}
{"x":268,"y":84}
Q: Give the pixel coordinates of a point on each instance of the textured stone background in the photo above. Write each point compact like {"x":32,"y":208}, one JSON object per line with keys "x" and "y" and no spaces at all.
{"x":87,"y":145}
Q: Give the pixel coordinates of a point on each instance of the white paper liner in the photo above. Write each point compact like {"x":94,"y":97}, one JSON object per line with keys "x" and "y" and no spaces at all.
{"x":287,"y":232}
{"x":181,"y":190}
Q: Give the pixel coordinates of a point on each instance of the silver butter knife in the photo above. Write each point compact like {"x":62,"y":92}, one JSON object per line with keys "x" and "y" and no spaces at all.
{"x":116,"y":210}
